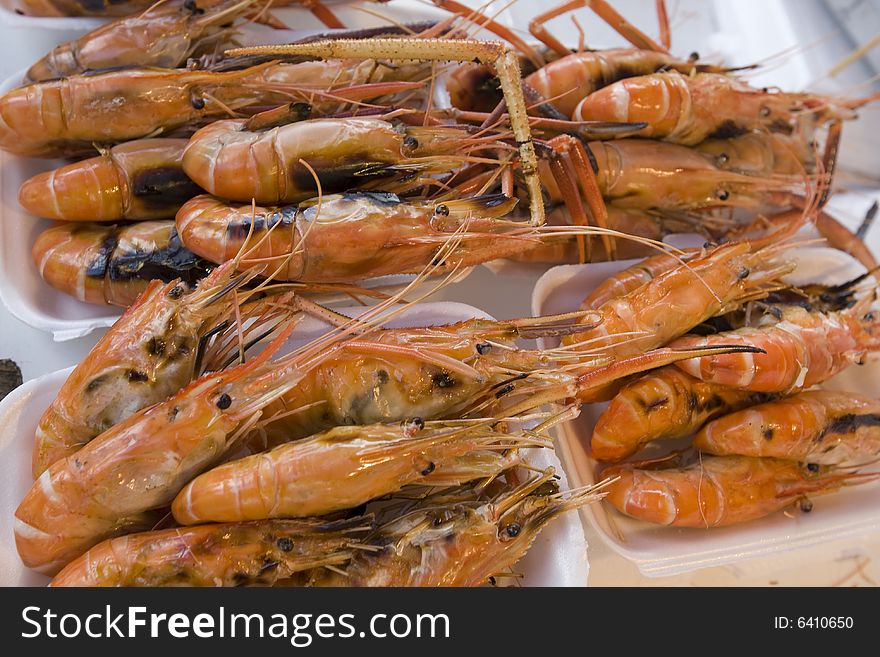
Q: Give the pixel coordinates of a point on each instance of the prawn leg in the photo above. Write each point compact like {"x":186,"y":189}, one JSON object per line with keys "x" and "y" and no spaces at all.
{"x":502,"y":59}
{"x":607,"y":13}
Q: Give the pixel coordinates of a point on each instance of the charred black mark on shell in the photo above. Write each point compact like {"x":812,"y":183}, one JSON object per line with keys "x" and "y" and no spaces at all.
{"x":727,"y":130}
{"x":163,"y":187}
{"x":98,"y":267}
{"x":240,"y":228}
{"x":388,"y":199}
{"x":851,"y":422}
{"x":166,"y":262}
{"x":336,"y":177}
{"x":382,"y":377}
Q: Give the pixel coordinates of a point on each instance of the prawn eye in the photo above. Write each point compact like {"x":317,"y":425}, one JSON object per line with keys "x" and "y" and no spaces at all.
{"x":513,"y":530}
{"x":483,"y":348}
{"x":723,"y":158}
{"x":805,"y":505}
{"x":198,"y":103}
{"x":429,"y":469}
{"x":442,"y":210}
{"x":284,"y":544}
{"x":412,"y":426}
{"x":175,"y":292}
{"x":813,"y":467}
{"x":224,"y":402}
{"x":411,"y":142}
{"x":765,"y":111}
{"x":722,"y":194}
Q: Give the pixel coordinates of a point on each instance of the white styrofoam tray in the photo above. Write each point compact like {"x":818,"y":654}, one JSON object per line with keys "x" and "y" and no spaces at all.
{"x":557,"y":558}
{"x":659,"y":550}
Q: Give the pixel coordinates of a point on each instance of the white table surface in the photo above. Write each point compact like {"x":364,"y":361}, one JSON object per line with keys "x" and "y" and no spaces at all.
{"x":853,"y":562}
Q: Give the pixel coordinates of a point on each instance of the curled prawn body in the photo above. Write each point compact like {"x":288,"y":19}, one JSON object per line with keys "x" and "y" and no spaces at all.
{"x":142,"y":462}
{"x":661,"y":405}
{"x":669,"y":304}
{"x":350,"y":236}
{"x":801,"y":348}
{"x":716,"y":490}
{"x":141,"y":179}
{"x":230,"y":554}
{"x":148,"y":354}
{"x":302,"y":478}
{"x":455,"y":544}
{"x":568,"y":80}
{"x":229,"y":160}
{"x":689,"y":109}
{"x":824,"y":427}
{"x":110,"y":264}
{"x":164,"y":35}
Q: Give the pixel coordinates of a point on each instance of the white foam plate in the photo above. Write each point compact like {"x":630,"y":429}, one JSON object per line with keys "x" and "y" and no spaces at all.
{"x":658,"y":550}
{"x":557,"y":558}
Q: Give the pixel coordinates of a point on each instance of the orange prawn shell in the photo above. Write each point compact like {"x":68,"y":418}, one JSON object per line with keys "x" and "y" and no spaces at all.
{"x":824,"y":427}
{"x":660,"y":405}
{"x":801,"y":351}
{"x":714,"y":492}
{"x":689,"y":109}
{"x":142,"y":179}
{"x":229,"y":161}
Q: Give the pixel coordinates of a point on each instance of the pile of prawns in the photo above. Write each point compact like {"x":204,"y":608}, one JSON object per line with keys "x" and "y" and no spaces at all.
{"x":173,"y":455}
{"x":563,"y":164}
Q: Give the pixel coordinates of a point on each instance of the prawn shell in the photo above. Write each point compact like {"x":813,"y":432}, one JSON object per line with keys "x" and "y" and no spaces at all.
{"x":660,"y":405}
{"x":824,"y":427}
{"x":137,"y":180}
{"x":112,"y":265}
{"x":231,"y":162}
{"x":345,"y":237}
{"x":571,"y":78}
{"x":802,"y":350}
{"x":715,"y":491}
{"x":233,"y":554}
